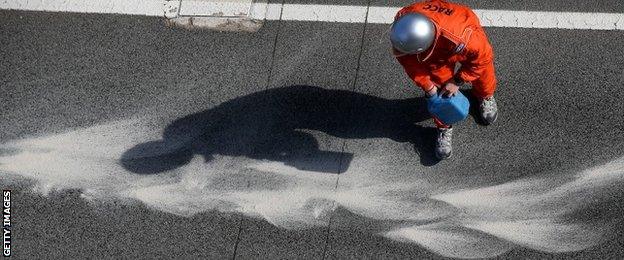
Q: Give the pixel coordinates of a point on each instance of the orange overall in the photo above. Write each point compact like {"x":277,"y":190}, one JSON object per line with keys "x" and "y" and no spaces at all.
{"x":459,"y":38}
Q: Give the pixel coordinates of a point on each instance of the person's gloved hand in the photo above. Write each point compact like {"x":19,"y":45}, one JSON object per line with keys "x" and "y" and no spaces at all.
{"x":449,"y":89}
{"x":432,"y":92}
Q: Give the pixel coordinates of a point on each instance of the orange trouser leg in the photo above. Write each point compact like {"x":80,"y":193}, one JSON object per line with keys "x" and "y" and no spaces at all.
{"x":439,"y":123}
{"x":485,"y":85}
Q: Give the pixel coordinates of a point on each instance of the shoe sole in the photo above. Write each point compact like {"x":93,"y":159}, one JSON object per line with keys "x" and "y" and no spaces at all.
{"x":444,"y":158}
{"x":494,"y":120}
{"x":485,"y":122}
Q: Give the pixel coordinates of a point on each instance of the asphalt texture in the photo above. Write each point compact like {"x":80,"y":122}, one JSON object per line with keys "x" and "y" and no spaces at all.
{"x":603,"y":6}
{"x":328,"y":95}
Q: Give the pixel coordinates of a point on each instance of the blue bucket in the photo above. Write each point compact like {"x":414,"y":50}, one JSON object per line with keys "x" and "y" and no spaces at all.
{"x":449,"y":110}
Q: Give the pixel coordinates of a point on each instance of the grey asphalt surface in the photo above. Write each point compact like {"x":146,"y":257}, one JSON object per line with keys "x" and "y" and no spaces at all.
{"x":560,"y":99}
{"x":603,"y":6}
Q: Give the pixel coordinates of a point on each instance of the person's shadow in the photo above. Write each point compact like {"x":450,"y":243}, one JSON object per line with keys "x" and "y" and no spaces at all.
{"x":275,"y":125}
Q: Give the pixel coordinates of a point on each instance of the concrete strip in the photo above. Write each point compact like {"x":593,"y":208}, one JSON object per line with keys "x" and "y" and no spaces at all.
{"x":221,"y":15}
{"x":233,"y":24}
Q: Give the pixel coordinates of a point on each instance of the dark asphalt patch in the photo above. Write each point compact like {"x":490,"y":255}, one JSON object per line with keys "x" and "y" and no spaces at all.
{"x":66,"y":71}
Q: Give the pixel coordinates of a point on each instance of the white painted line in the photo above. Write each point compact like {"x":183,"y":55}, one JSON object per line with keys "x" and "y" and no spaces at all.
{"x":489,"y":18}
{"x":217,"y":8}
{"x":562,"y":20}
{"x":262,"y":11}
{"x":133,"y":7}
{"x":384,"y":15}
{"x":322,"y":13}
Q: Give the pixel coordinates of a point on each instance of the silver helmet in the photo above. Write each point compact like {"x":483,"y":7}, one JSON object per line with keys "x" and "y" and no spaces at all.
{"x":412,"y":33}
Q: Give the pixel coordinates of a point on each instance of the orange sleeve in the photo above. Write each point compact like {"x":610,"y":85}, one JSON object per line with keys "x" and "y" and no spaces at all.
{"x":416,"y":72}
{"x":480,"y":55}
